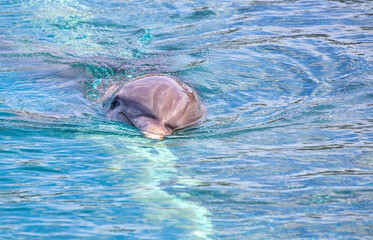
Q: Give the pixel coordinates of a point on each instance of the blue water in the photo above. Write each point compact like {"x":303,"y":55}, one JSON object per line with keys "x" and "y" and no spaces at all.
{"x":285,"y":152}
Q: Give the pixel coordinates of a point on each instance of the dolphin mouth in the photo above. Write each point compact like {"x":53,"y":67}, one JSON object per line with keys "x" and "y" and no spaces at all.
{"x":125,"y":118}
{"x":150,"y":127}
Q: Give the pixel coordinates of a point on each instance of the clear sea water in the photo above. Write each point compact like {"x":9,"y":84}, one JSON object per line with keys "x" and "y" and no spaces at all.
{"x":285,"y":152}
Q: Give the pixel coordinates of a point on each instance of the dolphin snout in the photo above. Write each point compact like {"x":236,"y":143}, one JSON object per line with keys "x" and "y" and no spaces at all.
{"x":152,"y":128}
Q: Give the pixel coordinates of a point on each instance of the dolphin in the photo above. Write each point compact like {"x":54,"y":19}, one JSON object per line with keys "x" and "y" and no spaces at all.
{"x":156,"y":104}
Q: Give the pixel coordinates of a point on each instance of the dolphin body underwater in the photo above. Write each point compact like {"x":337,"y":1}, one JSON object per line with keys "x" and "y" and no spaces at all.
{"x":156,"y":104}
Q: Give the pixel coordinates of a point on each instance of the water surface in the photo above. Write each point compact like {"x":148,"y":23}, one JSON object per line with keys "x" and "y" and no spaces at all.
{"x":285,"y":151}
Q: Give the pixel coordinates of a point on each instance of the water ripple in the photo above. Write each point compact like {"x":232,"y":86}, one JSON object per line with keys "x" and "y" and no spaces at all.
{"x":284,"y":152}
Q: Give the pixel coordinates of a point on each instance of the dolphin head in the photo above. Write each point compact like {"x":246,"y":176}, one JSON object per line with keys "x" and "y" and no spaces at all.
{"x":157,"y":105}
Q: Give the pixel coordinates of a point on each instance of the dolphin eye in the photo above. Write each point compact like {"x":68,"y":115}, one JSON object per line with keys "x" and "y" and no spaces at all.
{"x":115,"y":103}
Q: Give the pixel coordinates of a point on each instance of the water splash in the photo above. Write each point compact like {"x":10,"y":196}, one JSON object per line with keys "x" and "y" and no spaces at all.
{"x":146,"y":38}
{"x":143,"y":40}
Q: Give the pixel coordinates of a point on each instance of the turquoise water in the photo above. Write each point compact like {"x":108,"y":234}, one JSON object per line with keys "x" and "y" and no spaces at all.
{"x":285,"y":152}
